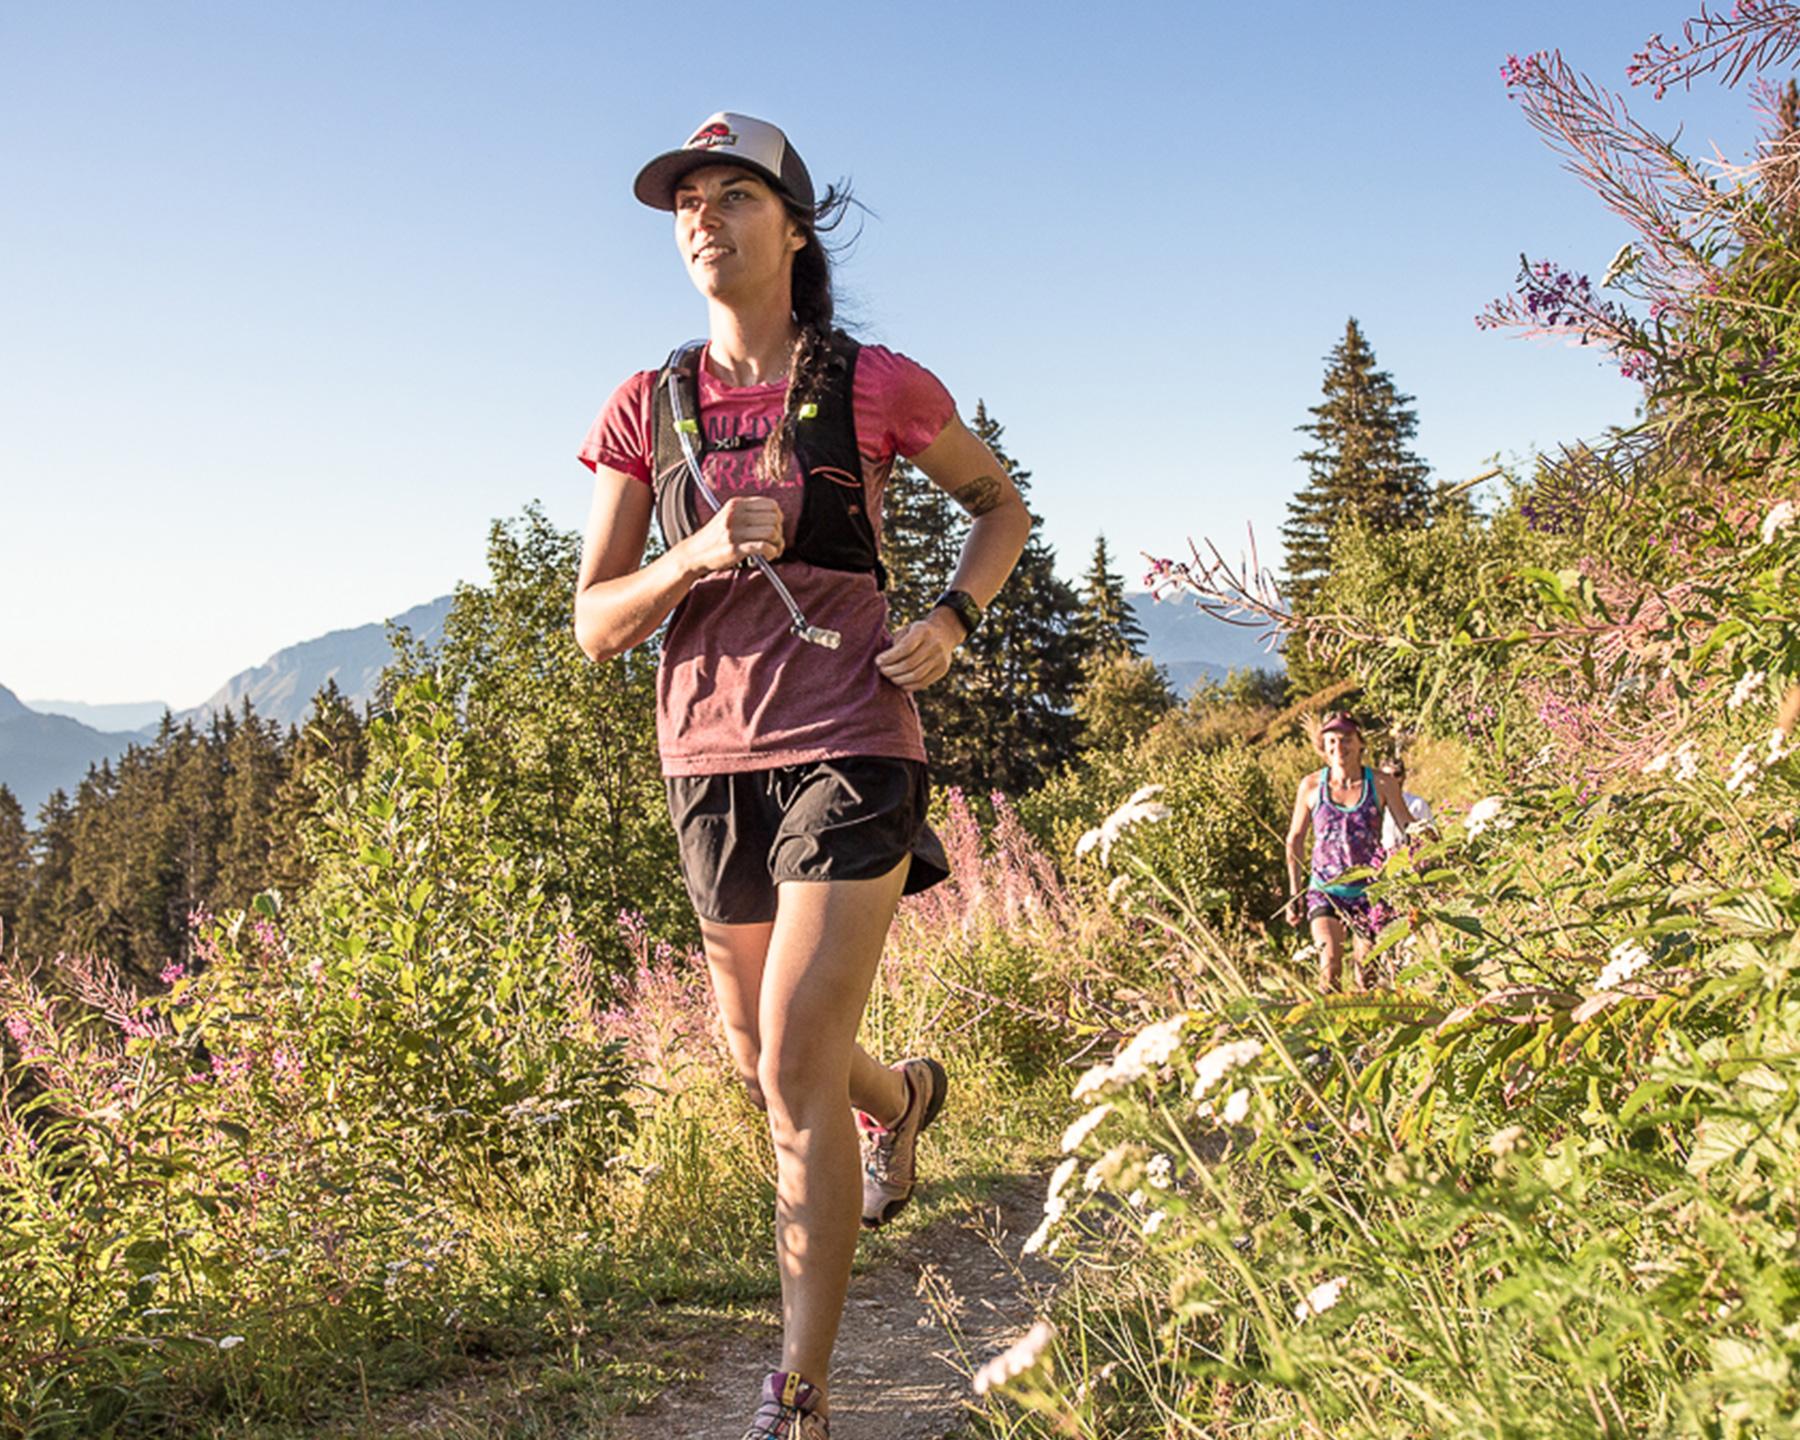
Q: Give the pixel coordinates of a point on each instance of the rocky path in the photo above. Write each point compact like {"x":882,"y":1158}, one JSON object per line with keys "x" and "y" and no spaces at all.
{"x":914,"y":1328}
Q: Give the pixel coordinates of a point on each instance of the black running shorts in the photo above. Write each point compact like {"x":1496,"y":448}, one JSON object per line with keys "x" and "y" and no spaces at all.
{"x":741,"y":835}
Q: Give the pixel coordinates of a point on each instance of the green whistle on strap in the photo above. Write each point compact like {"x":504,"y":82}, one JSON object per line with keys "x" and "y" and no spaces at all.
{"x":808,"y":410}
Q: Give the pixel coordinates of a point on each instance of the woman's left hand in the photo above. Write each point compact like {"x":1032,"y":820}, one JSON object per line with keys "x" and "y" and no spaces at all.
{"x":920,"y":654}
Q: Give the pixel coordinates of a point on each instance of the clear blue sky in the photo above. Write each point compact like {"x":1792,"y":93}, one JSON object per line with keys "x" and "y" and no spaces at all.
{"x":296,"y":298}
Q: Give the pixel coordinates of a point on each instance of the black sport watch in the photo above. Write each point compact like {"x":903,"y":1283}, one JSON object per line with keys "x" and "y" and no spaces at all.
{"x":961,"y":604}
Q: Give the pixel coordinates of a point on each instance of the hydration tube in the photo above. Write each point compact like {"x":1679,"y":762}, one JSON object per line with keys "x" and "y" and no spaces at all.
{"x":685,"y":431}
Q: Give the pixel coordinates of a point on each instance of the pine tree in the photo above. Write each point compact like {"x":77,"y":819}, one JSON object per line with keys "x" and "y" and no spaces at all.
{"x":921,"y":538}
{"x":331,"y":740}
{"x":253,"y":771}
{"x":52,"y":883}
{"x":1360,"y":466}
{"x":1108,"y":625}
{"x":1004,"y":717}
{"x":15,"y":869}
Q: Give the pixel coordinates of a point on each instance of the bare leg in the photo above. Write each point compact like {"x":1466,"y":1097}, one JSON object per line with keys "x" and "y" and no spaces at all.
{"x":1328,"y":935}
{"x":1365,"y":972}
{"x":820,"y":965}
{"x":735,"y":954}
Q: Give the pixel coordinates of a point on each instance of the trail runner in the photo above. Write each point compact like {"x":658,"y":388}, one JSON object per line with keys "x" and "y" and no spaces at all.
{"x":789,"y":738}
{"x":1343,"y":806}
{"x":1417,"y":806}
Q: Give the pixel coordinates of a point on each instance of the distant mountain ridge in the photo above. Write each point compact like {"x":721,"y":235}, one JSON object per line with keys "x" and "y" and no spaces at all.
{"x":140,"y":715}
{"x":40,"y":752}
{"x":283,"y":686}
{"x":1193,"y":646}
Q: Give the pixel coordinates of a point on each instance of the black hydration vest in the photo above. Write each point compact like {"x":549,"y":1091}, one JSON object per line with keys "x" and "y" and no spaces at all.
{"x":835,"y":532}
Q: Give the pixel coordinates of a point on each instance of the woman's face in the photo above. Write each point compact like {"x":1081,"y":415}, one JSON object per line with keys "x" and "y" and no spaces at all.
{"x":1343,"y":750}
{"x":735,"y":235}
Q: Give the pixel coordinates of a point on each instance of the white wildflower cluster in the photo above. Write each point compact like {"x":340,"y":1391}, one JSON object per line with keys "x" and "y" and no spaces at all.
{"x":1141,"y":805}
{"x":1108,"y":1168}
{"x":1100,"y":1377}
{"x":1486,"y":814}
{"x":1018,"y":1358}
{"x":1216,"y":1064}
{"x":1055,"y":1207}
{"x":1747,"y":765}
{"x":1685,"y":758}
{"x":1624,"y":961}
{"x":536,"y":1110}
{"x":1504,"y":1142}
{"x":1148,"y":1051}
{"x":1320,"y":1298}
{"x":1746,"y":689}
{"x":1159,"y":1174}
{"x":1154,"y":1221}
{"x":1623,"y":263}
{"x":1085,"y":1126}
{"x":1778,"y":519}
{"x":1742,"y":780}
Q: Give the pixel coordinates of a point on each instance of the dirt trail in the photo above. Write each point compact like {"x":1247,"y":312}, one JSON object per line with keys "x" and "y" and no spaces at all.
{"x":899,"y":1373}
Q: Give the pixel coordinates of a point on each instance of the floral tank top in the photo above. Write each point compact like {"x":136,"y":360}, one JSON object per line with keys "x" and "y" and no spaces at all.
{"x":1344,"y":839}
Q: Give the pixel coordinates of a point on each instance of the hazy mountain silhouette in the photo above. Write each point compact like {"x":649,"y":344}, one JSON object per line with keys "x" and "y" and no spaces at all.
{"x":1192,"y":646}
{"x":41,"y":752}
{"x":283,"y":686}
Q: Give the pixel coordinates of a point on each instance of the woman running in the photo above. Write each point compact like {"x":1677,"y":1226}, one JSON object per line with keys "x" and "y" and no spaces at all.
{"x":789,"y":738}
{"x":1343,"y":805}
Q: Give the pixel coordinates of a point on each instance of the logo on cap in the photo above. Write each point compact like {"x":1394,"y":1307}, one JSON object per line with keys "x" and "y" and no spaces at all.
{"x":708,"y":137}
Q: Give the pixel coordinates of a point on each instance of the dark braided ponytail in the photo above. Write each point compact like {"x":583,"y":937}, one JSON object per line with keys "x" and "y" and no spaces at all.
{"x":809,"y":367}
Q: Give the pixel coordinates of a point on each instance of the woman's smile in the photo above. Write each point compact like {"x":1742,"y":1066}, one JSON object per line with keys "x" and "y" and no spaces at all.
{"x":727,"y":219}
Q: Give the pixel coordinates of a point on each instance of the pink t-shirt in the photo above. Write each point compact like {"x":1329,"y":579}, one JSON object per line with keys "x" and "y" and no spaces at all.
{"x":737,"y":689}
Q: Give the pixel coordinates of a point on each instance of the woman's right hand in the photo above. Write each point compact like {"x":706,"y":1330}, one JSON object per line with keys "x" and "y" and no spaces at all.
{"x":1296,"y":912}
{"x":746,"y":525}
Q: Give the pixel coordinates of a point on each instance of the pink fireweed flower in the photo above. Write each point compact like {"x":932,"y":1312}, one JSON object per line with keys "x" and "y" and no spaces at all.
{"x":287,"y":1062}
{"x":173,"y":972}
{"x":229,"y":1069}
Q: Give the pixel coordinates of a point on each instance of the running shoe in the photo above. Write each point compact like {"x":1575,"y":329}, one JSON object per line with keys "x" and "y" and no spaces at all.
{"x":788,"y":1410}
{"x":890,"y":1157}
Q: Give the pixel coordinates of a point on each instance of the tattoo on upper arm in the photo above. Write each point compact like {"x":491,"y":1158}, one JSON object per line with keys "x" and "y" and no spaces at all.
{"x":980,"y":495}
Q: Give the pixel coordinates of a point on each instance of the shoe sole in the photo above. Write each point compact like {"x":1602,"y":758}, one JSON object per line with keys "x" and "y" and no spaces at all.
{"x":940,"y":1086}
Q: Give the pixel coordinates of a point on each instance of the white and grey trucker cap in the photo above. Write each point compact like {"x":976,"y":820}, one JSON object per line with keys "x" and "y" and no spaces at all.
{"x":727,"y":139}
